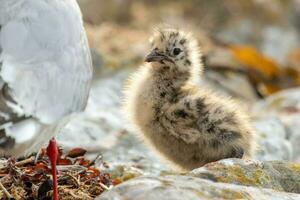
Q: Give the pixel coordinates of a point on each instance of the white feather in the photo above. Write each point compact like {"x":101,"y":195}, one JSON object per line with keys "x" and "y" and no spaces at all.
{"x":45,"y":59}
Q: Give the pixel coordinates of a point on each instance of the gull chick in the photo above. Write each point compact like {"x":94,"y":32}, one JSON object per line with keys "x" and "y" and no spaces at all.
{"x":186,"y":124}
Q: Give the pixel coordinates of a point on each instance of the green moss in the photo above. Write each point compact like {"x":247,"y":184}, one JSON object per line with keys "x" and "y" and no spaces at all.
{"x":294,"y":167}
{"x":127,"y":176}
{"x":229,"y":194}
{"x":237,"y":174}
{"x":166,"y":183}
{"x":276,"y":103}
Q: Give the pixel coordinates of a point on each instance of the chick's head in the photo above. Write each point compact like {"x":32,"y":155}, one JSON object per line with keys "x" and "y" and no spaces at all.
{"x":174,"y":48}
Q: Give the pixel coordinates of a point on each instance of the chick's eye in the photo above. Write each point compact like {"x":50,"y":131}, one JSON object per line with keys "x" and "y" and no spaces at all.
{"x":176,"y":51}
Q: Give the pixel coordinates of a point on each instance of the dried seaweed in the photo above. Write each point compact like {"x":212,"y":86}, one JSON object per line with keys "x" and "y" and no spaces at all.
{"x":30,"y":177}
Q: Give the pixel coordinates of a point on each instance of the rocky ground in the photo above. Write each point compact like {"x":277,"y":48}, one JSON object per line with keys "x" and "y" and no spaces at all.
{"x":227,"y":179}
{"x":260,"y":76}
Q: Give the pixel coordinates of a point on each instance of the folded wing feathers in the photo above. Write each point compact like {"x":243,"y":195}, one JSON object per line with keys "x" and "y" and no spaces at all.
{"x":45,"y":61}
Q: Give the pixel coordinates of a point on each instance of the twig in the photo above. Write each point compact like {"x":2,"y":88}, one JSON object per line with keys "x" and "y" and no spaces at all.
{"x":75,"y":179}
{"x":80,"y":172}
{"x":3,"y":164}
{"x":63,"y":168}
{"x":8,"y":195}
{"x":86,"y":196}
{"x":74,"y":195}
{"x":37,"y":156}
{"x":26,"y":161}
{"x":103,"y":186}
{"x":99,"y":156}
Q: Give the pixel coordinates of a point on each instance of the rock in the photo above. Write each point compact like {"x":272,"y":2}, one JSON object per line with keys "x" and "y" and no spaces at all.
{"x":286,"y":106}
{"x":187,"y":188}
{"x":97,"y":11}
{"x":277,"y":175}
{"x":99,"y":127}
{"x":272,"y":141}
{"x":97,"y":60}
{"x":116,"y":48}
{"x":293,"y":59}
{"x":276,"y":46}
{"x":294,"y":128}
{"x":226,"y":179}
{"x":260,"y":29}
{"x":235,"y":85}
{"x":124,"y":173}
{"x":129,"y":152}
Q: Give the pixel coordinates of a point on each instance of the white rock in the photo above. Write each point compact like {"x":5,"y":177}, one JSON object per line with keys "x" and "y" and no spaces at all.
{"x":188,"y":188}
{"x":286,"y":106}
{"x":272,"y":140}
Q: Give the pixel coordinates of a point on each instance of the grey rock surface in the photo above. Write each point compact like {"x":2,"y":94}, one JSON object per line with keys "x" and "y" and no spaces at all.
{"x":178,"y":187}
{"x":277,"y":175}
{"x":272,"y":140}
{"x":226,"y":179}
{"x":285,"y":106}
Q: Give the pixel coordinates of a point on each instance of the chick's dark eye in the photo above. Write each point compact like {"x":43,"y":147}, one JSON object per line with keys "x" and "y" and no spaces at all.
{"x":176,"y":51}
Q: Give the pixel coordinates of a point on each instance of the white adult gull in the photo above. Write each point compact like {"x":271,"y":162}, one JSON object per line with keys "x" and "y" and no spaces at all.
{"x":45,"y":75}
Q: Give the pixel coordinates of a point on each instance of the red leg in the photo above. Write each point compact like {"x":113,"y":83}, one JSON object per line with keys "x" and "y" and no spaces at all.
{"x":52,"y":153}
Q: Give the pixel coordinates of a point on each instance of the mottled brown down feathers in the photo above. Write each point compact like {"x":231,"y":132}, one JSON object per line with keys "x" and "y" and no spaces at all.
{"x":186,"y":124}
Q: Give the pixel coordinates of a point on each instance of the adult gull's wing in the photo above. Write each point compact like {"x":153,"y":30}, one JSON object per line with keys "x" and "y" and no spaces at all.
{"x":45,"y":58}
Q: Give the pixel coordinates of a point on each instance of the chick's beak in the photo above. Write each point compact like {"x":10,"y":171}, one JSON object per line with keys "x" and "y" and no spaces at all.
{"x":155,"y":56}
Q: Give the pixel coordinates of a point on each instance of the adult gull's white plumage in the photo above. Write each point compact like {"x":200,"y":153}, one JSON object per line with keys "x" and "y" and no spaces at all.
{"x":46,"y":71}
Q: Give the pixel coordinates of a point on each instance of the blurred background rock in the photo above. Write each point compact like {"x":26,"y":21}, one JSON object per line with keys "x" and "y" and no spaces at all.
{"x":251,"y":50}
